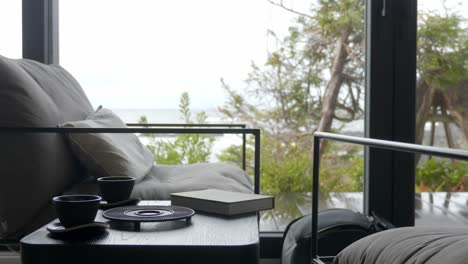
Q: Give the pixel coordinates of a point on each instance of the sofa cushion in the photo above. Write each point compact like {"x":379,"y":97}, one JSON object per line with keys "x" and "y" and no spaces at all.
{"x":35,"y":167}
{"x":429,"y":245}
{"x":106,"y":154}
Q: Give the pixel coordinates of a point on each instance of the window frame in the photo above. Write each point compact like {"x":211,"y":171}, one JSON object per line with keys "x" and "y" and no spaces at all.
{"x":41,"y":30}
{"x":390,"y":108}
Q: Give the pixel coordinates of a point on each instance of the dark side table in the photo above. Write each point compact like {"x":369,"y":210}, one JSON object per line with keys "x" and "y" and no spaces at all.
{"x":206,"y":239}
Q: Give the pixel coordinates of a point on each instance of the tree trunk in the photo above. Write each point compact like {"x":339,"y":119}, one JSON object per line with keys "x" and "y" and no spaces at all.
{"x":432,"y":139}
{"x":431,"y":200}
{"x":448,"y":130}
{"x":460,"y":119}
{"x":424,"y":98}
{"x":448,"y":196}
{"x":333,"y":88}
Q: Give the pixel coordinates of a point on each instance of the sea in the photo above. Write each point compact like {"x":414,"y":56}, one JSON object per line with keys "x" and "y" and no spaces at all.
{"x":174,"y":116}
{"x":165,"y":115}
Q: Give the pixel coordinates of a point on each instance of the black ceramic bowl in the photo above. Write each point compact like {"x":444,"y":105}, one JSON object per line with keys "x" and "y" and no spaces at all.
{"x":78,"y":209}
{"x":116,"y":188}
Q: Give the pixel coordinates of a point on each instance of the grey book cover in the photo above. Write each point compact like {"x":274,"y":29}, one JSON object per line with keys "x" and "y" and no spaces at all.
{"x":223,"y":202}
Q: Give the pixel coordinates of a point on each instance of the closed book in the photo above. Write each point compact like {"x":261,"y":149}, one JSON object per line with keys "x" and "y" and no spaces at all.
{"x":223,"y":202}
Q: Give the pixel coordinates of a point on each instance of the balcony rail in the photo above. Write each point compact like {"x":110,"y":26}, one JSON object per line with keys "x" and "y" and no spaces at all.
{"x":167,"y":128}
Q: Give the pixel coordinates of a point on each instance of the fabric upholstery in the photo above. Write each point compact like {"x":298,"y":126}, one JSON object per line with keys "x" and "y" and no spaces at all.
{"x":337,"y":228}
{"x":35,"y":167}
{"x":165,"y":179}
{"x":106,"y":154}
{"x":415,"y":245}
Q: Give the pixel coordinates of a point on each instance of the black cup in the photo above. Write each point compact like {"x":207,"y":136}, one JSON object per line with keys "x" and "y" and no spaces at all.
{"x":116,"y":188}
{"x":77,"y":209}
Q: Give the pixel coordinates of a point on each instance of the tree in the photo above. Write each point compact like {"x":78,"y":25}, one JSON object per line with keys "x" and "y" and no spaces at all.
{"x":300,"y":87}
{"x":442,"y":85}
{"x":314,"y":77}
{"x":185,"y":148}
{"x":442,"y":90}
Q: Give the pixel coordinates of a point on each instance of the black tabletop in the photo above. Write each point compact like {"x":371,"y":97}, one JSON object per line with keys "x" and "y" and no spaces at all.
{"x":204,"y":239}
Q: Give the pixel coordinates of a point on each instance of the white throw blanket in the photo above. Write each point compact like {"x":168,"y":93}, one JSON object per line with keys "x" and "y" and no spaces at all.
{"x":165,"y":179}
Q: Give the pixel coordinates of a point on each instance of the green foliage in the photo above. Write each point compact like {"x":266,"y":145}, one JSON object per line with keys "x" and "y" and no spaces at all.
{"x":355,"y":172}
{"x":284,"y":166}
{"x":349,"y":166}
{"x":336,"y":16}
{"x":185,"y":148}
{"x":342,"y":169}
{"x":283,"y":208}
{"x":143,"y":120}
{"x":233,"y":155}
{"x":442,"y":49}
{"x":435,"y":175}
{"x":184,"y":107}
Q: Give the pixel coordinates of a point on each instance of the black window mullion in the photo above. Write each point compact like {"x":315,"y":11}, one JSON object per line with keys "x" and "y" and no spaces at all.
{"x":390,"y":107}
{"x":405,"y":111}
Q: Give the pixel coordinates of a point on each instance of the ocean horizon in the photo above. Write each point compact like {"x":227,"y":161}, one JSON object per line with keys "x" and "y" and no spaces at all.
{"x":165,"y":115}
{"x":174,"y":116}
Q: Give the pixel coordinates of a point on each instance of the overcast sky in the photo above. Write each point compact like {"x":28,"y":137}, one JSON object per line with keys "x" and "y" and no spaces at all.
{"x":145,"y":53}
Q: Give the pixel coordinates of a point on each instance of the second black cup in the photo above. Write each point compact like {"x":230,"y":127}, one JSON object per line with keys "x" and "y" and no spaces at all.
{"x":116,"y":188}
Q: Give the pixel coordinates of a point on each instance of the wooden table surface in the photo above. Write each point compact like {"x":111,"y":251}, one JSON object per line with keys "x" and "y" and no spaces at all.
{"x":205,"y":239}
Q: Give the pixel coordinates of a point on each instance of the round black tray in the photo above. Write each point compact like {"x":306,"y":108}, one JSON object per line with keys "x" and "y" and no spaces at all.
{"x":150,"y":213}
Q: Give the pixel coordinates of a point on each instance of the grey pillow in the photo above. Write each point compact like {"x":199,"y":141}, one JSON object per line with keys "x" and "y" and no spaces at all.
{"x":35,"y":166}
{"x":106,"y":154}
{"x":429,"y":245}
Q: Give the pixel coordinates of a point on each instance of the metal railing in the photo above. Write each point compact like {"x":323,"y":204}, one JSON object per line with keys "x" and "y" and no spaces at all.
{"x":173,"y":128}
{"x":369,"y":142}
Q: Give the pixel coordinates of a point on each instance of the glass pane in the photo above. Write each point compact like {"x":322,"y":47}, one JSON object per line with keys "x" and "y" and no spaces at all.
{"x":144,"y":54}
{"x":312,"y":80}
{"x":442,"y":111}
{"x":11,"y":37}
{"x":288,"y":68}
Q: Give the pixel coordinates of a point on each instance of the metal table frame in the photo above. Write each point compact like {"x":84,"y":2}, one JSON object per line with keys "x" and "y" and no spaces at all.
{"x":156,"y":128}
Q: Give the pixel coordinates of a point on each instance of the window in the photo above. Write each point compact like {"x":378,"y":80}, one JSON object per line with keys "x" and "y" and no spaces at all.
{"x":313,"y":80}
{"x":109,"y":50}
{"x":441,"y":197}
{"x":281,"y":61}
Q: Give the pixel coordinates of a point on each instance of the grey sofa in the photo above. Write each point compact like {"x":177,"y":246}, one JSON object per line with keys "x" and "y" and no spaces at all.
{"x":34,"y":167}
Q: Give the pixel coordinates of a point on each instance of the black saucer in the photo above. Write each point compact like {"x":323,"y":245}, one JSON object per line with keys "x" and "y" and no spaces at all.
{"x":80,"y":231}
{"x":105,"y":205}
